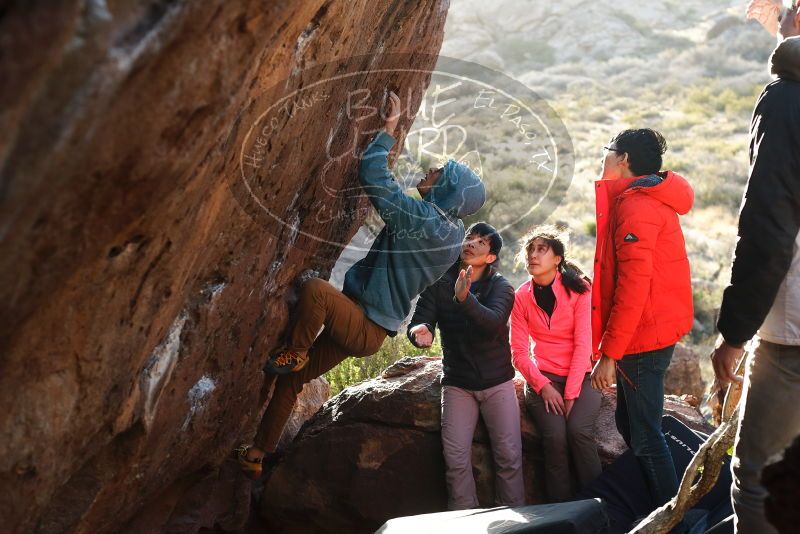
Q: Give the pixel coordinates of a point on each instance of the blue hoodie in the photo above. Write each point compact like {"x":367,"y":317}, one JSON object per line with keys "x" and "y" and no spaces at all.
{"x":421,"y":239}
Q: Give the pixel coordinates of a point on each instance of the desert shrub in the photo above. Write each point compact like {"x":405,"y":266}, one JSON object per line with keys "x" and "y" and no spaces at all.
{"x":355,"y":370}
{"x":590,"y":227}
{"x":708,"y":99}
{"x":522,"y":48}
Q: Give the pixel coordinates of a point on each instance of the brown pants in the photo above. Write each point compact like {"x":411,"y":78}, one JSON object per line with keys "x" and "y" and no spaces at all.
{"x":564,"y":437}
{"x":348,"y":332}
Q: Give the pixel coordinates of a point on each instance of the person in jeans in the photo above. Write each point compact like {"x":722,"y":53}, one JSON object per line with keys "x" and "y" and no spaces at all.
{"x":642,"y":293}
{"x":420,"y":240}
{"x":764,"y":292}
{"x":470,"y":304}
{"x":553,"y":309}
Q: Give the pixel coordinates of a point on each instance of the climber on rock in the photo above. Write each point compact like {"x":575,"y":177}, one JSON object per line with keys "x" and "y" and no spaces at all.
{"x":471,"y":304}
{"x":421,"y":239}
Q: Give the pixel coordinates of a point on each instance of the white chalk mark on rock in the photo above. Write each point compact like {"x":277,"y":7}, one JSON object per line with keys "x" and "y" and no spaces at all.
{"x":196,"y":396}
{"x":159,"y":367}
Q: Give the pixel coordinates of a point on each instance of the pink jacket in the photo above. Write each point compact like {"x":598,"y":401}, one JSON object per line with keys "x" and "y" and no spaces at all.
{"x":562,"y":343}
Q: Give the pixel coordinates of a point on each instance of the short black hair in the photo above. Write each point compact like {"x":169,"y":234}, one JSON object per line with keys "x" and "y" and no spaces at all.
{"x":486,"y":230}
{"x":644,"y":148}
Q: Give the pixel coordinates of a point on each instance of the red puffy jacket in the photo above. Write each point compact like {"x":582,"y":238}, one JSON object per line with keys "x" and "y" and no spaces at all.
{"x":642,"y":293}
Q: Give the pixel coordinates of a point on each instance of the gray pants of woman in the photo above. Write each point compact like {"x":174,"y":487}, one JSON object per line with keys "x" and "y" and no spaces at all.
{"x":564,"y":437}
{"x":500,"y":410}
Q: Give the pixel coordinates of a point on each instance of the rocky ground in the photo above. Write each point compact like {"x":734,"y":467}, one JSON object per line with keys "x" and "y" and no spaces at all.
{"x":373,"y":452}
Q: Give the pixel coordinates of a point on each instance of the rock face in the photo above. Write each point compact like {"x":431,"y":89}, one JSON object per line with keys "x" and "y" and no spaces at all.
{"x":683,"y":374}
{"x":374,"y":453}
{"x":140,"y":292}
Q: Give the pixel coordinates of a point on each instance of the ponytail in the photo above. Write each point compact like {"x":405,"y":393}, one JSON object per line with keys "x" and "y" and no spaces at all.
{"x":573,"y":278}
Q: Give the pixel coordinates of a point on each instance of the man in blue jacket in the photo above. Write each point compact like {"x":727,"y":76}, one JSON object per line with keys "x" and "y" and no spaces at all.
{"x":420,"y":241}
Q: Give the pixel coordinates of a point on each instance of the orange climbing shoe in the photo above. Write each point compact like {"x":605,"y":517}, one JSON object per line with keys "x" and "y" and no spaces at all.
{"x":250,"y":468}
{"x":285,"y":362}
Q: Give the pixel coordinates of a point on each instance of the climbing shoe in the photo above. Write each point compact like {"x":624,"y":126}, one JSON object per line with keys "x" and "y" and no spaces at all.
{"x":285,"y":362}
{"x":250,"y":468}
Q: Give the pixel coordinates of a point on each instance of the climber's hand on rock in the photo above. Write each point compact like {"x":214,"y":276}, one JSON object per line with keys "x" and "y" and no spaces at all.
{"x":422,"y":336}
{"x":725,"y":358}
{"x":392,"y":114}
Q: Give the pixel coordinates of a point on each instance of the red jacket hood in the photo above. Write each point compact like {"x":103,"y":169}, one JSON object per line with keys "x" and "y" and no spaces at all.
{"x":674,"y":191}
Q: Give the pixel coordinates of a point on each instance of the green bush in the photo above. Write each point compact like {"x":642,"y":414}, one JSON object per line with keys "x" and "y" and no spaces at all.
{"x":707,"y":99}
{"x":355,"y":370}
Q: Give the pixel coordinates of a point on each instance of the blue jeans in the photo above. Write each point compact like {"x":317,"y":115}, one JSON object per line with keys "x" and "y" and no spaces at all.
{"x":640,"y":406}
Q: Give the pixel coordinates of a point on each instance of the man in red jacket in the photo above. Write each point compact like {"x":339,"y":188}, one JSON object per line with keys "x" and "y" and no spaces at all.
{"x":642,"y":296}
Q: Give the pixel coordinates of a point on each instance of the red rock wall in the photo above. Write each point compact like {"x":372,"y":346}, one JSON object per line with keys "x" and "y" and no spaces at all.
{"x":139,"y":297}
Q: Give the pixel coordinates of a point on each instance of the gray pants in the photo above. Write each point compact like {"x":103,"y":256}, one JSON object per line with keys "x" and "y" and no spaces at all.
{"x":499,"y":408}
{"x":564,"y":436}
{"x":770,"y":420}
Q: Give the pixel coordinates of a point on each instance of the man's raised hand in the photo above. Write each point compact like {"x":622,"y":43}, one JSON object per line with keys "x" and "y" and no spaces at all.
{"x":463,"y":283}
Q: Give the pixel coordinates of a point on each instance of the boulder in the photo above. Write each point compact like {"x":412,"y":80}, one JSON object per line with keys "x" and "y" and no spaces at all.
{"x":609,"y":441}
{"x":152,"y":223}
{"x":310,"y":400}
{"x":683,"y":374}
{"x":373,"y":453}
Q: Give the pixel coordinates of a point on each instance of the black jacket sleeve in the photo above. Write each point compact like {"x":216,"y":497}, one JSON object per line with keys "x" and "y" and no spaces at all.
{"x":770,"y":216}
{"x":424,"y":313}
{"x":495,"y":310}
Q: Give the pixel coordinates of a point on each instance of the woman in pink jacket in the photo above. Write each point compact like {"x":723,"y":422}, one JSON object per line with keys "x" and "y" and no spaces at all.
{"x":553,"y":309}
